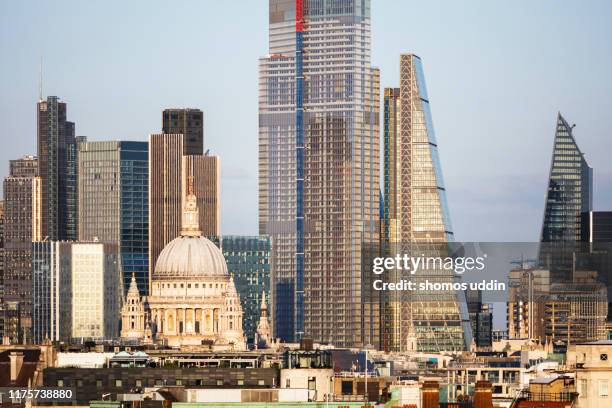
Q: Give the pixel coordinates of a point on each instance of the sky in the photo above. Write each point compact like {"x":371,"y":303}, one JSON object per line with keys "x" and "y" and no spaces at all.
{"x":497,"y":74}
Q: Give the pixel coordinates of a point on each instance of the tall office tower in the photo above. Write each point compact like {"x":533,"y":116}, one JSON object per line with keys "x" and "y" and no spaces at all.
{"x":569,"y":194}
{"x":113,"y":183}
{"x":416,"y":221}
{"x":22,"y":225}
{"x":248,"y":260}
{"x":188,"y":122}
{"x":168,"y":172}
{"x":77,"y":290}
{"x":57,"y":169}
{"x":319,"y":169}
{"x":596,"y":243}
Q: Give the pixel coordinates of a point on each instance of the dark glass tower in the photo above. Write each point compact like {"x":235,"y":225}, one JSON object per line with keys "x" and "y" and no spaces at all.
{"x":57,"y":169}
{"x":188,"y":122}
{"x":113,"y":202}
{"x":569,"y":195}
{"x":248,"y":260}
{"x":570,"y":186}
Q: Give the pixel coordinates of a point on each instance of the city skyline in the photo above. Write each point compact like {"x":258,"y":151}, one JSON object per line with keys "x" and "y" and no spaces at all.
{"x":533,"y":61}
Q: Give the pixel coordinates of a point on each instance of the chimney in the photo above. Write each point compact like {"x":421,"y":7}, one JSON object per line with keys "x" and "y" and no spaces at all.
{"x":483,"y":396}
{"x":16,"y":360}
{"x":431,"y":394}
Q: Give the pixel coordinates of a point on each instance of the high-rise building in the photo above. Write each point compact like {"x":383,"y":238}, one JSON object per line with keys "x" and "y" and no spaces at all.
{"x":596,"y":227}
{"x":113,"y":202}
{"x":416,"y":221}
{"x":206,"y":173}
{"x":57,"y":170}
{"x":570,"y":188}
{"x":22,"y":225}
{"x":248,"y":260}
{"x":77,"y":290}
{"x":188,"y":122}
{"x":596,"y":248}
{"x":319,"y":168}
{"x":569,"y":195}
{"x":169,"y":169}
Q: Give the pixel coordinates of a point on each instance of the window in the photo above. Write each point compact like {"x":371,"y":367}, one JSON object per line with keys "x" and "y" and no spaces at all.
{"x":60,"y":383}
{"x":98,"y":383}
{"x":219,"y":383}
{"x":583,"y":388}
{"x":79,"y":383}
{"x":118,"y":383}
{"x":261,"y":382}
{"x":179,"y":382}
{"x":603,"y":388}
{"x":139,"y":383}
{"x":240,"y":382}
{"x":159,"y":382}
{"x":287,"y":383}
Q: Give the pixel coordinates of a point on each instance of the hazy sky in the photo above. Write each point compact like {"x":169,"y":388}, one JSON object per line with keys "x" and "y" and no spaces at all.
{"x":497,"y":74}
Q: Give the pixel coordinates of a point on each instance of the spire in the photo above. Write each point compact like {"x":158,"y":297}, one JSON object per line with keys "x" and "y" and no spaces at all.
{"x":133,"y":289}
{"x":191,"y":214}
{"x":40,"y":80}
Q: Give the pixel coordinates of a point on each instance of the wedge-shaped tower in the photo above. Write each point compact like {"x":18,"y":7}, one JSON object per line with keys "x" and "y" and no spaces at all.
{"x":569,"y":194}
{"x":416,"y":221}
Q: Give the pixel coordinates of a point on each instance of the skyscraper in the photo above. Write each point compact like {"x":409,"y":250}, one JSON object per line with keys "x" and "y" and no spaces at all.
{"x":57,"y":169}
{"x":318,"y":168}
{"x":416,"y":221}
{"x":570,"y":186}
{"x":113,"y":202}
{"x":168,"y":172}
{"x":248,"y":260}
{"x":22,"y":222}
{"x":569,"y":194}
{"x":188,"y":122}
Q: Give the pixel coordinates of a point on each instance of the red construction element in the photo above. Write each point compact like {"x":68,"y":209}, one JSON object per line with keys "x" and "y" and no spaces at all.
{"x":299,"y":16}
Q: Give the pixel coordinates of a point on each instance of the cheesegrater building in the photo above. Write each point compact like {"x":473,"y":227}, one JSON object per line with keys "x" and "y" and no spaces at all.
{"x":319,"y":169}
{"x":416,"y":221}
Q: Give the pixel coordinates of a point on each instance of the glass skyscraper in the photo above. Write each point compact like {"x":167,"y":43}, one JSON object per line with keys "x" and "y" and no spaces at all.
{"x":319,"y":168}
{"x":570,"y":186}
{"x":57,"y":170}
{"x":248,"y":260}
{"x":416,"y":221}
{"x":113,"y":202}
{"x":569,"y":195}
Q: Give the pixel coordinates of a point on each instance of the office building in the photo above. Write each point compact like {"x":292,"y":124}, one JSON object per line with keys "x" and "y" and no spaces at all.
{"x":22,"y":225}
{"x":319,"y":169}
{"x":77,"y":291}
{"x":596,"y":247}
{"x":206,"y":173}
{"x":57,"y":170}
{"x":248,"y":260}
{"x":188,"y":122}
{"x":416,"y":221}
{"x":568,"y":196}
{"x":113,"y":202}
{"x":168,"y":172}
{"x":481,"y":319}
